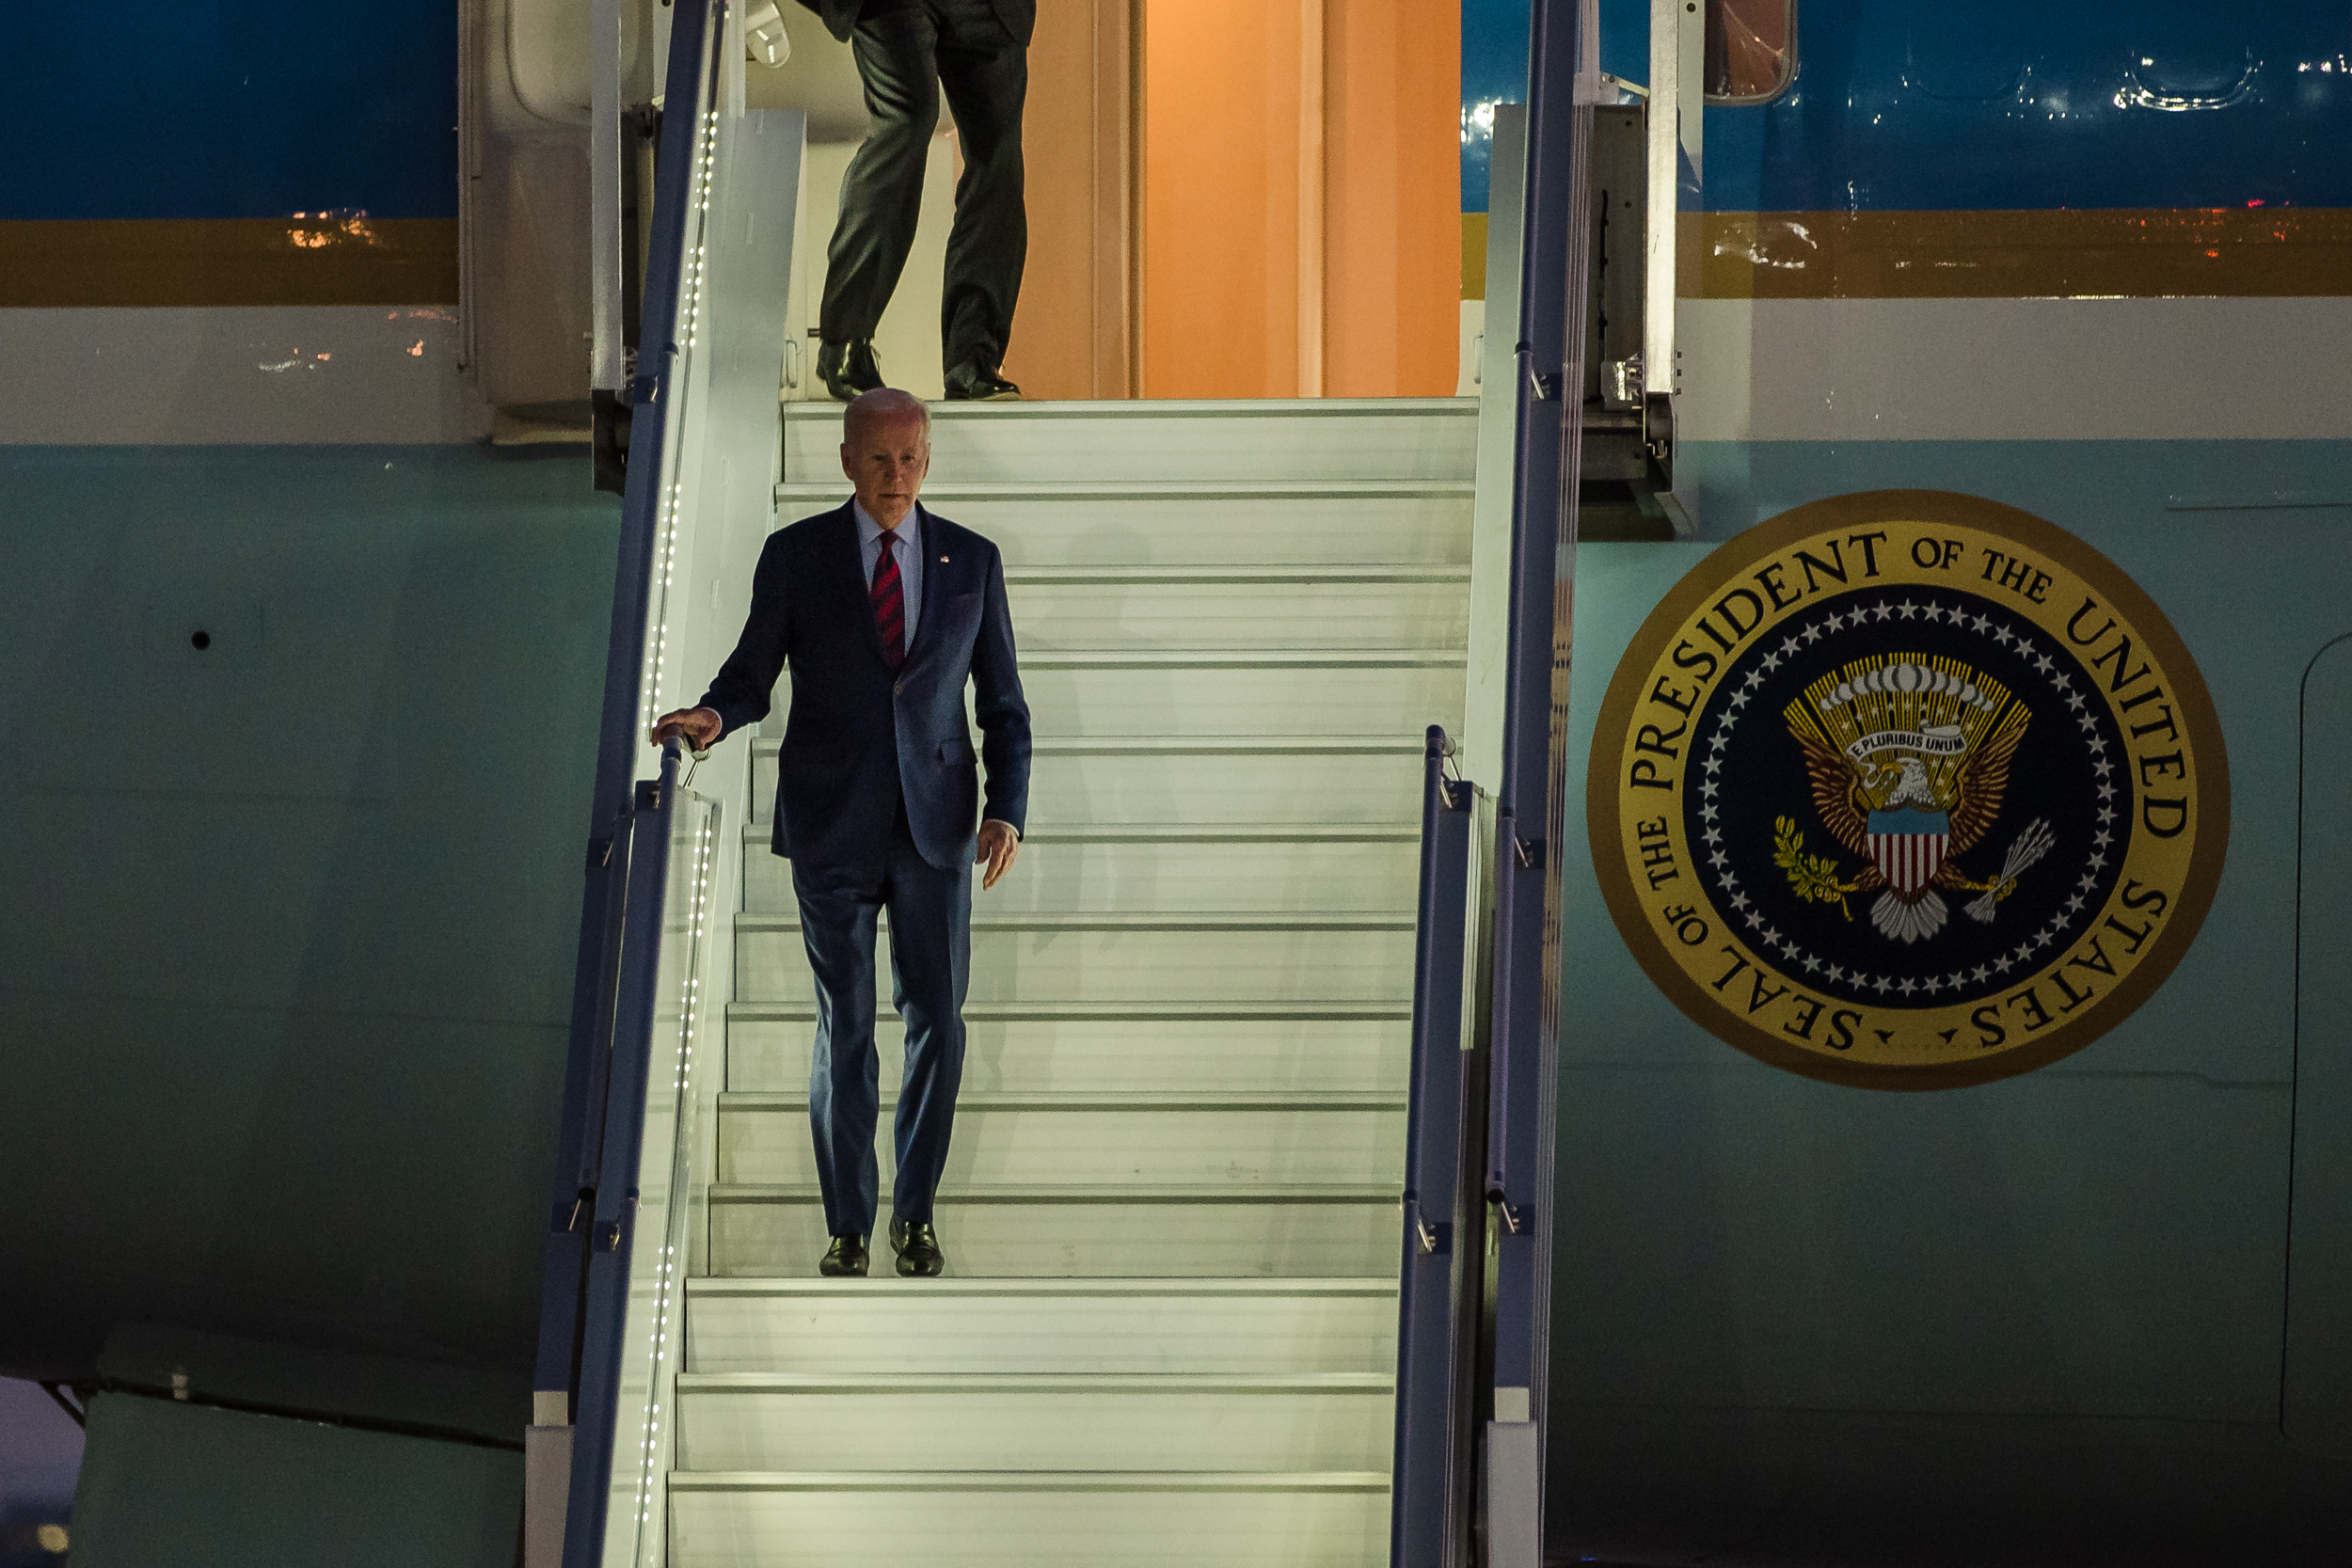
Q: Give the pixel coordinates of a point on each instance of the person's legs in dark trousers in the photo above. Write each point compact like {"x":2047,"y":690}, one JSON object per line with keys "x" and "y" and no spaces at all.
{"x":838,"y":907}
{"x":985,"y":74}
{"x":930,"y":964}
{"x":882,"y":196}
{"x":931,"y":968}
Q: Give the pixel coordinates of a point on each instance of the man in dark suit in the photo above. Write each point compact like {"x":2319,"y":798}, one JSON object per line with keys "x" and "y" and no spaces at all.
{"x":884,"y":611}
{"x":908,"y":52}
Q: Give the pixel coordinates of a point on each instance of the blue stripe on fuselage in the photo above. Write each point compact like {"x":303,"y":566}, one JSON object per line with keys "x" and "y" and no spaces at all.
{"x":232,"y":112}
{"x":2007,"y":103}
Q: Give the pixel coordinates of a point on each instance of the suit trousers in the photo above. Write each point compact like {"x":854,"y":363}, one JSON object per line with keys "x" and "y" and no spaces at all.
{"x":930,"y":967}
{"x":906,"y":54}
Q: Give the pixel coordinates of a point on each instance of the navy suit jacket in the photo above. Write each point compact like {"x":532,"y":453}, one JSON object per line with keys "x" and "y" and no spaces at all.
{"x":853,"y":724}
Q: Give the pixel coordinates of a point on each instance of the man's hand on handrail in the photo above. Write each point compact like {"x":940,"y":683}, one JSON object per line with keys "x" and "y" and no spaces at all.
{"x":699,"y":726}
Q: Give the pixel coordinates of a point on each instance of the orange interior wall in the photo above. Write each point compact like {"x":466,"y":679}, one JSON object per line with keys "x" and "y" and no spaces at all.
{"x":1070,"y":329}
{"x":1232,"y":134}
{"x":1392,"y":269}
{"x":1221,"y":87}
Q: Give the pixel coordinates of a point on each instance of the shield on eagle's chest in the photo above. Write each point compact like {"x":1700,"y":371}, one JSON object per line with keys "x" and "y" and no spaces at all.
{"x":1908,"y":847}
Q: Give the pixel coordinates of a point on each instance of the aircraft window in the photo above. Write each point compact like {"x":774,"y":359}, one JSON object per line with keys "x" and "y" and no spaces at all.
{"x":1751,"y":49}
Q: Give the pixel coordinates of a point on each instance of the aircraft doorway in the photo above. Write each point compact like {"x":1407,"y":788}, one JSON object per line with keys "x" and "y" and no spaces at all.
{"x":1236,"y":199}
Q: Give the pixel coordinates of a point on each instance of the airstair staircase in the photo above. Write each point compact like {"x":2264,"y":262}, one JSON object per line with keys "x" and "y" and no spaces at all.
{"x":1167,"y":1336}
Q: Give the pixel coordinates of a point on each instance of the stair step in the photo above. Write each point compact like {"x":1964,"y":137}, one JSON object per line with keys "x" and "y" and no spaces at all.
{"x":1257,"y":834}
{"x":1402,"y":523}
{"x":1292,"y":576}
{"x":1019,"y":1047}
{"x":1145,"y":920}
{"x":1321,"y":1229}
{"x":1208,"y":780}
{"x":1244,"y":658}
{"x":1229,"y":958}
{"x":1179,"y":869}
{"x":1333,"y":691}
{"x":991,"y":1519}
{"x":993,"y":1325}
{"x":1232,"y":611}
{"x":1014,"y":1421}
{"x":1243,"y":1140}
{"x":1120,"y":1011}
{"x":1302,"y":439}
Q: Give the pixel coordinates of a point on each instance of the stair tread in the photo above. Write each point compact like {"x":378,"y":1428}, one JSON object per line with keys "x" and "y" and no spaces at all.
{"x":1114,"y":1285}
{"x":940,"y":494}
{"x":1144,"y":921}
{"x":1096,"y":1192}
{"x":1188,"y":1011}
{"x":1400,"y":744}
{"x":1044,"y":1382}
{"x":1029,"y":1481}
{"x":1138,"y":411}
{"x":1117,"y":1099}
{"x":1153,"y":573}
{"x":1244,"y":658}
{"x":1195,"y":832}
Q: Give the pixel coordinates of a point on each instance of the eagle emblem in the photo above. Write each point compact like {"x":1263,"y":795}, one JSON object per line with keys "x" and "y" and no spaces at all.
{"x":1908,"y":756}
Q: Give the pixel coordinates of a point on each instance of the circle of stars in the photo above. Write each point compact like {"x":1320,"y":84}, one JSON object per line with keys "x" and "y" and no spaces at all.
{"x":1959,"y":981}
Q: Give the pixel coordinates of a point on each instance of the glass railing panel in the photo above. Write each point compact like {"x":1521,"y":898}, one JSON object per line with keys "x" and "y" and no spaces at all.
{"x":683,"y":1071}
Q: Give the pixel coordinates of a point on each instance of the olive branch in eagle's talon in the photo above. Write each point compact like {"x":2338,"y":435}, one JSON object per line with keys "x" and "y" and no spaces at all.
{"x":1813,"y":878}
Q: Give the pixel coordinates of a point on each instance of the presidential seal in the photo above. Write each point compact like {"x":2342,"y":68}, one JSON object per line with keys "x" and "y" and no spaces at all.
{"x":1908,"y":790}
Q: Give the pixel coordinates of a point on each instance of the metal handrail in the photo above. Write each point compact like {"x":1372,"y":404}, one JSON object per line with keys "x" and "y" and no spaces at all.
{"x":612,"y":1232}
{"x":1440,"y":1271}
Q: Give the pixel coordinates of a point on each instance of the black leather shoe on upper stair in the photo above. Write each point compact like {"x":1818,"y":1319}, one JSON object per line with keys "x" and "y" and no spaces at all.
{"x":848,"y":368}
{"x":843,"y":1260}
{"x":917,"y":1246}
{"x":970,"y":384}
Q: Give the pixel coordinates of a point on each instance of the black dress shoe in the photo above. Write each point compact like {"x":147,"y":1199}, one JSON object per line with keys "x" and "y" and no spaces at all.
{"x":970,"y":384}
{"x":843,"y":1260}
{"x":917,"y":1246}
{"x":848,"y":368}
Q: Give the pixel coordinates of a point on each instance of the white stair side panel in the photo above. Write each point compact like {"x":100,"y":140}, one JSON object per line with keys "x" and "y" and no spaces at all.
{"x":997,"y":1521}
{"x":758,"y":1422}
{"x":1054,"y":876}
{"x":1093,"y":1234}
{"x":1224,"y":965}
{"x":1374,"y":780}
{"x":1219,"y":526}
{"x":1136,"y":443}
{"x":886,"y":1324}
{"x":772,"y":1053}
{"x":767,"y":1139}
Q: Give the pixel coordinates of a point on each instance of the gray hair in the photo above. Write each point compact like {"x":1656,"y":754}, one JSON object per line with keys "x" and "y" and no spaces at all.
{"x":883,"y":403}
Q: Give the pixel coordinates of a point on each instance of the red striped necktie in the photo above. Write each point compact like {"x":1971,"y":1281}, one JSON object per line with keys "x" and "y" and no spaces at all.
{"x":890,"y":602}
